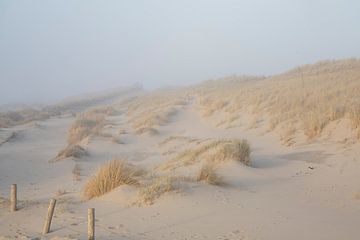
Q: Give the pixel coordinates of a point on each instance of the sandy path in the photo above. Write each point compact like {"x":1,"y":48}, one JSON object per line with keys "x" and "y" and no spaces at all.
{"x":303,"y":192}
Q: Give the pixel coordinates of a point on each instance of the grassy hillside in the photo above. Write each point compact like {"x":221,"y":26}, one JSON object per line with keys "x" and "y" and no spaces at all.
{"x":303,"y":100}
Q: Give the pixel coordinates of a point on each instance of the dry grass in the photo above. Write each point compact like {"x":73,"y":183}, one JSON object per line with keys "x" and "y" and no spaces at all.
{"x":310,"y":97}
{"x":148,"y":112}
{"x":13,"y":118}
{"x":287,"y":134}
{"x":215,"y":151}
{"x":75,"y":151}
{"x":86,"y":124}
{"x":211,"y":104}
{"x":109,"y":176}
{"x":28,"y":114}
{"x":155,"y":189}
{"x":208,"y":174}
{"x":355,"y":119}
{"x":176,"y":139}
{"x":148,"y":121}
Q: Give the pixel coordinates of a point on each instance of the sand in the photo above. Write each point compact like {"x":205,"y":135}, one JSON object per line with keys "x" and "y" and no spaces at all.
{"x":304,"y":191}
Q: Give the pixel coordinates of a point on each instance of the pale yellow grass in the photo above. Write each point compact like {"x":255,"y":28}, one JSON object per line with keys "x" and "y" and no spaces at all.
{"x":29,"y":114}
{"x":13,"y":118}
{"x":109,"y":176}
{"x":87,"y":124}
{"x":150,"y":192}
{"x":310,"y":97}
{"x":147,"y":113}
{"x":214,"y":151}
{"x":208,"y":174}
{"x":287,"y":134}
{"x":75,"y":151}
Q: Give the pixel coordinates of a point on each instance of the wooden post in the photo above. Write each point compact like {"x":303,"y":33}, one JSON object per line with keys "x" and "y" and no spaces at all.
{"x":49,"y":216}
{"x":13,"y":198}
{"x":91,"y":224}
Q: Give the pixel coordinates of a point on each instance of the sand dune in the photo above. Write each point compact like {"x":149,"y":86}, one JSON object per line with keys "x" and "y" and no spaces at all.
{"x":296,"y":177}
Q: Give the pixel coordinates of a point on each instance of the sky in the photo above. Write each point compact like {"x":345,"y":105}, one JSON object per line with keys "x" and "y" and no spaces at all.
{"x":53,"y":49}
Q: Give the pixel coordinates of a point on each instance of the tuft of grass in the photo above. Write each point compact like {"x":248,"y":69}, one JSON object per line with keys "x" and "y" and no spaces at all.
{"x":313,"y":125}
{"x":13,"y":118}
{"x":89,"y":123}
{"x":109,"y":176}
{"x":86,"y":124}
{"x":151,"y":192}
{"x":148,"y":112}
{"x":208,"y":174}
{"x":75,"y":151}
{"x":215,"y":151}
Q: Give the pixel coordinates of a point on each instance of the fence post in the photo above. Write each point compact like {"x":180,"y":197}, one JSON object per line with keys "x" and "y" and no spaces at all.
{"x":91,"y":224}
{"x":13,"y":198}
{"x":49,"y":216}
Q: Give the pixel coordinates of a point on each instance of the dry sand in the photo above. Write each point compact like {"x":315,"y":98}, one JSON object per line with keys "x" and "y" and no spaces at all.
{"x":306,"y":191}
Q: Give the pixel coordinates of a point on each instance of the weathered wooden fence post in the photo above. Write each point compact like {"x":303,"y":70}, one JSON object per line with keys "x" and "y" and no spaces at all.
{"x":13,"y":198}
{"x":91,"y":224}
{"x":49,"y":216}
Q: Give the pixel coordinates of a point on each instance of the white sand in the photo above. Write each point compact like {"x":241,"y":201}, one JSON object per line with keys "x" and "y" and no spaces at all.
{"x":309,"y":191}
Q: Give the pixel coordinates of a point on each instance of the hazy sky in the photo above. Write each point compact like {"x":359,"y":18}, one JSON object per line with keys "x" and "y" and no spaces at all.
{"x":51,"y":49}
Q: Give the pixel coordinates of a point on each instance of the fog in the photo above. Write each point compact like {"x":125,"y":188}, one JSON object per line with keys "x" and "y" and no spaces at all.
{"x":52,"y":49}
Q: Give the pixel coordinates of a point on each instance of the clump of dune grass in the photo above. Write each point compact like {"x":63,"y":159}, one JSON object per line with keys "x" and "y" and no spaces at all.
{"x":210,"y":105}
{"x":148,"y":121}
{"x":109,"y":176}
{"x":13,"y":118}
{"x":85,"y":125}
{"x":148,"y":112}
{"x":75,"y":151}
{"x":155,"y":189}
{"x":208,"y":174}
{"x":314,"y":125}
{"x":215,"y":151}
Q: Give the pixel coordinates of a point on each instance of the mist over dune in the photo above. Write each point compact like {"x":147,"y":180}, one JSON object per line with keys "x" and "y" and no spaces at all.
{"x":180,"y":120}
{"x":53,"y":49}
{"x":239,"y":149}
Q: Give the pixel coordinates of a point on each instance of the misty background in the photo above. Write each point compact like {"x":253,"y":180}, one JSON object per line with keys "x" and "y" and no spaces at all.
{"x":52,"y":49}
